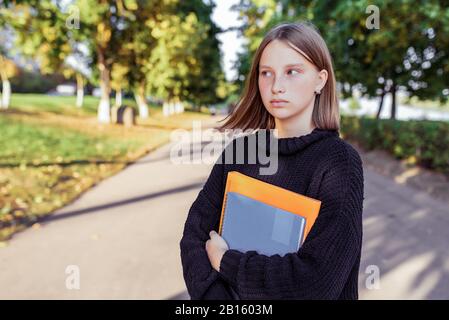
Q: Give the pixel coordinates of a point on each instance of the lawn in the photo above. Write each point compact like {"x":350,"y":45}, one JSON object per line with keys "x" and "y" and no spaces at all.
{"x":51,"y":151}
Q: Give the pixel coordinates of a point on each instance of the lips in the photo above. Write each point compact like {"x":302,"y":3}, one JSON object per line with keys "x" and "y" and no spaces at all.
{"x":278,"y":103}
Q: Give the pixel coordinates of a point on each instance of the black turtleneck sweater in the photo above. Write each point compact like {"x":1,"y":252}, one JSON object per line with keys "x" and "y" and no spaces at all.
{"x":320,"y":165}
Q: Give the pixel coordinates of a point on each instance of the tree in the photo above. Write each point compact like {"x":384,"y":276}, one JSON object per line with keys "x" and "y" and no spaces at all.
{"x":7,"y":67}
{"x":258,"y":17}
{"x":206,"y":84}
{"x":99,"y":20}
{"x":41,"y":33}
{"x":7,"y":70}
{"x":164,"y":47}
{"x":119,"y":81}
{"x":185,"y":65}
{"x":138,"y":44}
{"x":408,"y":51}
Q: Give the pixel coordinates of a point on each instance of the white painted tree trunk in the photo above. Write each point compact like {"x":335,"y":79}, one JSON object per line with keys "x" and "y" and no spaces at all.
{"x":79,"y":97}
{"x":79,"y":91}
{"x":118,"y":98}
{"x":179,"y":107}
{"x":143,"y":107}
{"x":104,"y":111}
{"x":165,"y":109}
{"x":6,"y":94}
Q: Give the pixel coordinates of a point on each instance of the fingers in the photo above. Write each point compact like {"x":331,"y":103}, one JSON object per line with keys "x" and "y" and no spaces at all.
{"x":209,"y":241}
{"x":218,"y":240}
{"x":212,"y":233}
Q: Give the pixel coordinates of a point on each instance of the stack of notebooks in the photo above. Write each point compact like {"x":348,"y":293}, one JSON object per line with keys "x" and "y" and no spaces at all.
{"x":258,"y":216}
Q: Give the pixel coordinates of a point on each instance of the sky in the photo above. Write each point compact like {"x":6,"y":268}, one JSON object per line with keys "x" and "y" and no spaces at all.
{"x":230,"y":42}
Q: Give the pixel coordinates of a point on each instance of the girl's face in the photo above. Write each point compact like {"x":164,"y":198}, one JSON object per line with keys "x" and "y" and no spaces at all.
{"x":284,"y":74}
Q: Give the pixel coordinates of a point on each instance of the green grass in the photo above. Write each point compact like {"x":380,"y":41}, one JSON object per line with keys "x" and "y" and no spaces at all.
{"x":65,"y":105}
{"x":51,"y":151}
{"x":55,"y":104}
{"x":31,"y":143}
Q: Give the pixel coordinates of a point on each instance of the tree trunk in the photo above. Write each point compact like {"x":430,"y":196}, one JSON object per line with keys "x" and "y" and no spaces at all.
{"x":381,"y":102}
{"x":118,"y":97}
{"x":79,"y":90}
{"x":104,"y":115}
{"x":141,"y":101}
{"x":181,"y":107}
{"x":6,"y":94}
{"x":6,"y":86}
{"x":393,"y":101}
{"x":171,"y":107}
{"x":165,"y":109}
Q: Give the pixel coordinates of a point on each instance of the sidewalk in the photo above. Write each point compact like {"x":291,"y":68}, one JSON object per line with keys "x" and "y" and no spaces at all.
{"x":124,"y":235}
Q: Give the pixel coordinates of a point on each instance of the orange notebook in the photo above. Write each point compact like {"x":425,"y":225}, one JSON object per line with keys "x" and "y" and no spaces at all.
{"x":248,"y":188}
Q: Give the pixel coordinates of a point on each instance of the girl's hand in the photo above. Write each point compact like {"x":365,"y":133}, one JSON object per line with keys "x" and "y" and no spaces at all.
{"x":216,"y":247}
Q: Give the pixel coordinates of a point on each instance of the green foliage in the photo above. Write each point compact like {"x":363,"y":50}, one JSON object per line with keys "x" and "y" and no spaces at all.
{"x":163,"y":48}
{"x":354,"y":104}
{"x":27,"y":81}
{"x":186,"y":62}
{"x":421,"y":142}
{"x":41,"y":33}
{"x":409,"y":50}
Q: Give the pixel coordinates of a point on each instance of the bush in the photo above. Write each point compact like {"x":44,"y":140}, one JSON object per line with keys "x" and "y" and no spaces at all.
{"x":33,"y":82}
{"x":354,"y":104}
{"x":423,"y":142}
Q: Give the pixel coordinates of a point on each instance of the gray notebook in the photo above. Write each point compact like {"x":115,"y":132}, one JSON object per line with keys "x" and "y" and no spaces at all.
{"x":249,"y":225}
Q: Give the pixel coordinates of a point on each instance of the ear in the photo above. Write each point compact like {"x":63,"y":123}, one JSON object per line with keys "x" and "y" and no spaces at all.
{"x":321,"y":80}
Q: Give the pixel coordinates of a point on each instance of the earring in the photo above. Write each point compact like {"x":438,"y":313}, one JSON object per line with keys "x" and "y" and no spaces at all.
{"x":317,"y":91}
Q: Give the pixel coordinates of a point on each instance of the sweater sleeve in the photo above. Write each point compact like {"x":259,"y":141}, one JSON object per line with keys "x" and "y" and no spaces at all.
{"x":202,"y":281}
{"x":321,"y":267}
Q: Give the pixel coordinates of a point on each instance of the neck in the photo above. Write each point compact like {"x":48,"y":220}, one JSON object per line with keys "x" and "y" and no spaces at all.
{"x":295,"y":126}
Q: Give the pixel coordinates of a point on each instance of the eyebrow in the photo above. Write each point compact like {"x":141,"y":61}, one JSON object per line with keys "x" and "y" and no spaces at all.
{"x":286,"y":66}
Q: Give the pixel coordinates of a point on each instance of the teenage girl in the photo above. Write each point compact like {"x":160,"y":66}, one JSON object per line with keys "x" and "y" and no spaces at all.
{"x":291,"y":88}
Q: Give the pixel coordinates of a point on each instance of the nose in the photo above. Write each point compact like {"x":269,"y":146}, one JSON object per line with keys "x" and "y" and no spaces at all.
{"x":278,"y":85}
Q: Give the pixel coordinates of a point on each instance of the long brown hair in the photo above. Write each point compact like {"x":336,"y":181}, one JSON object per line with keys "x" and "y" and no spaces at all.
{"x":250,"y":113}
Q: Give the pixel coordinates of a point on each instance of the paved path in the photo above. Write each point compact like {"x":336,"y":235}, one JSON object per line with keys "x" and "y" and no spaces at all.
{"x":406,"y":235}
{"x":123,"y":236}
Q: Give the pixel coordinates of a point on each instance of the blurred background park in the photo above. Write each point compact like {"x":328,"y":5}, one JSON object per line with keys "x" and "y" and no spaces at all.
{"x":92,"y":89}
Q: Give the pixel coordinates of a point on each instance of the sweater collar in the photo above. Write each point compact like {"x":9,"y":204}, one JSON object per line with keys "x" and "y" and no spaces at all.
{"x":291,"y":145}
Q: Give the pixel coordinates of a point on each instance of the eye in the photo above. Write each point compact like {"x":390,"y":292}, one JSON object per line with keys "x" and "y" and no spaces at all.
{"x":293,"y":70}
{"x":263,"y":73}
